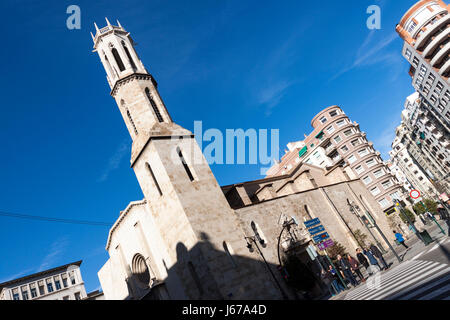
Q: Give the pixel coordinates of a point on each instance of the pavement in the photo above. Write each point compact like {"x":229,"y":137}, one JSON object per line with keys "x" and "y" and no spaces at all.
{"x":423,"y":273}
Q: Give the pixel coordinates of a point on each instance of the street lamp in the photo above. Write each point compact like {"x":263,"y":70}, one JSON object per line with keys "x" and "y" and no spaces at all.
{"x":286,"y":225}
{"x":354,"y":208}
{"x":255,"y":240}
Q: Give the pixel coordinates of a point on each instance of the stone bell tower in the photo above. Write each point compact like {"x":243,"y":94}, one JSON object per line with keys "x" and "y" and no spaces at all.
{"x":190,"y":212}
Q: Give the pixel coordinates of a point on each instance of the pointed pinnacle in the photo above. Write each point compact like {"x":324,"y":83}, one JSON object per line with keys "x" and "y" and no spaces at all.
{"x":96,"y":28}
{"x":93,"y":38}
{"x":107,"y":21}
{"x":118,"y":23}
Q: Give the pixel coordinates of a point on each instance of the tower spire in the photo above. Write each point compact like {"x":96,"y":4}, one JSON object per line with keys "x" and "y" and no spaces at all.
{"x":107,"y":21}
{"x":96,"y":28}
{"x":118,"y":23}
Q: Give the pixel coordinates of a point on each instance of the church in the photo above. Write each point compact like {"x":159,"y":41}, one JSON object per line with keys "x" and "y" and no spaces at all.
{"x":190,"y":238}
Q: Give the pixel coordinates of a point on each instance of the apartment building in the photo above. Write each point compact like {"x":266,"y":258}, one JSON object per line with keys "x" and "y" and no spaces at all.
{"x":337,"y":141}
{"x":425,"y":29}
{"x":60,"y":283}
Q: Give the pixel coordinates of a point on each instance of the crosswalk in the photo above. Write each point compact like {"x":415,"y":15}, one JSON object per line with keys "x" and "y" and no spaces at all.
{"x":411,"y":280}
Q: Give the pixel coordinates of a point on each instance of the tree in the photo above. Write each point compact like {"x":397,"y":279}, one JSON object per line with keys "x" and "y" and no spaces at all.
{"x":336,"y":249}
{"x":360,"y":238}
{"x":430,"y":205}
{"x":409,"y":214}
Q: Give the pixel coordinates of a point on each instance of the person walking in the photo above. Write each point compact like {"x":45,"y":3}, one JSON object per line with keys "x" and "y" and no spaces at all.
{"x":362,"y":259}
{"x":346,"y":268}
{"x":335,"y":280}
{"x":377,"y":253}
{"x":355,"y":267}
{"x":374,"y":266}
{"x":400,"y":239}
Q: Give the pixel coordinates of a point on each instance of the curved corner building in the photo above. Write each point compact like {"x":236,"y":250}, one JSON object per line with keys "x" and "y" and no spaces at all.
{"x":336,"y":140}
{"x":425,"y":27}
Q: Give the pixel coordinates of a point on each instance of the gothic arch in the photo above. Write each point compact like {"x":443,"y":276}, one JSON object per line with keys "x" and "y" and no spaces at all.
{"x":128,"y":55}
{"x":154,"y":106}
{"x":119,"y":62}
{"x":140,"y":269}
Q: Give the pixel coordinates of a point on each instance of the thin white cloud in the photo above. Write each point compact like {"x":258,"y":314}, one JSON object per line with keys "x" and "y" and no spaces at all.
{"x":369,"y":53}
{"x":17,"y":275}
{"x":114,"y":161}
{"x":383,"y":140}
{"x":56,"y":249}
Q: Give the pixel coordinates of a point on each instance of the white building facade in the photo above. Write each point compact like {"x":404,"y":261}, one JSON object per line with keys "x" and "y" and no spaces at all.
{"x":60,"y":283}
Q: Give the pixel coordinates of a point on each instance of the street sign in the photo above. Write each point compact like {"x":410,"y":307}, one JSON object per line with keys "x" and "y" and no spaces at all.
{"x":312,"y":223}
{"x":316,"y":230}
{"x":321,"y":237}
{"x":325,"y":244}
{"x":415,"y":194}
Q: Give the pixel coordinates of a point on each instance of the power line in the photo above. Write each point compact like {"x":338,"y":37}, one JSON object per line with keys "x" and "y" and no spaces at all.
{"x":50,"y":219}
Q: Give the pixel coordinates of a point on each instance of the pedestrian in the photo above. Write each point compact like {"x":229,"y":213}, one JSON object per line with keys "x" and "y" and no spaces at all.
{"x":335,"y":280}
{"x":327,"y":279}
{"x":400,"y":239}
{"x":355,"y":267}
{"x":377,"y":253}
{"x":362,"y":259}
{"x":374,"y":266}
{"x":346,"y":268}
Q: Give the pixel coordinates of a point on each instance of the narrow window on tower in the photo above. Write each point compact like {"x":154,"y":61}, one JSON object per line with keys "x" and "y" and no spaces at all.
{"x":129,"y":55}
{"x":118,"y":60}
{"x":154,"y":179}
{"x":131,"y":121}
{"x":185,"y":165}
{"x":154,"y":106}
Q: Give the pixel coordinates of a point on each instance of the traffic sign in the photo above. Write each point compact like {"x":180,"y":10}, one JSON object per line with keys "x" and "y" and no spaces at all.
{"x":316,"y":230}
{"x":415,"y":194}
{"x":325,"y":244}
{"x":321,"y":237}
{"x":312,"y":223}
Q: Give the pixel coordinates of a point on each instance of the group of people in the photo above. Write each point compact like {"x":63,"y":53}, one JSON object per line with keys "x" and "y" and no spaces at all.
{"x":349,"y":268}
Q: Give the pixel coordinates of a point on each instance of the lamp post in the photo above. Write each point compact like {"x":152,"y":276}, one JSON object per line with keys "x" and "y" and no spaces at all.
{"x":286,"y":225}
{"x":355,"y":209}
{"x":255,"y":239}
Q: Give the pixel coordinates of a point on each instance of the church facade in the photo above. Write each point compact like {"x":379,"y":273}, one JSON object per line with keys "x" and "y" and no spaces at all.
{"x":190,"y":238}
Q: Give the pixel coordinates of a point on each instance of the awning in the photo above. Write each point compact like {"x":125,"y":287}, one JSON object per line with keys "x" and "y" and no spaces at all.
{"x":303,"y":151}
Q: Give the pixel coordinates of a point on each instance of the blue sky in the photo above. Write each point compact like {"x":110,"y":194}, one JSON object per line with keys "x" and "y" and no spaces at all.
{"x":231,"y":64}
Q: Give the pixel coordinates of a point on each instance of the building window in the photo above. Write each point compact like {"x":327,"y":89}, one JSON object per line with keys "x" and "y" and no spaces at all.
{"x":49,"y":286}
{"x":439,"y":87}
{"x":64,"y":280}
{"x":154,"y":106}
{"x":118,"y":60}
{"x":15,"y":293}
{"x":72,"y":277}
{"x":387,"y":184}
{"x":337,"y":139}
{"x":355,"y":142}
{"x":378,"y":173}
{"x":363,"y":152}
{"x":330,"y":129}
{"x":128,"y":55}
{"x":66,"y":298}
{"x":367,"y":180}
{"x":77,"y":296}
{"x":408,"y":54}
{"x":154,"y":179}
{"x":132,"y":122}
{"x":375,"y":191}
{"x":33,"y":290}
{"x":395,"y":195}
{"x":340,"y":123}
{"x":258,"y":232}
{"x":383,"y":203}
{"x":185,"y":165}
{"x":371,"y":163}
{"x":41,"y":287}
{"x":24,"y":293}
{"x":347,"y":132}
{"x":333,"y":113}
{"x":57,"y":283}
{"x":415,"y":62}
{"x":323,"y":120}
{"x":359,"y":169}
{"x":344,"y":149}
{"x":351,"y":159}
